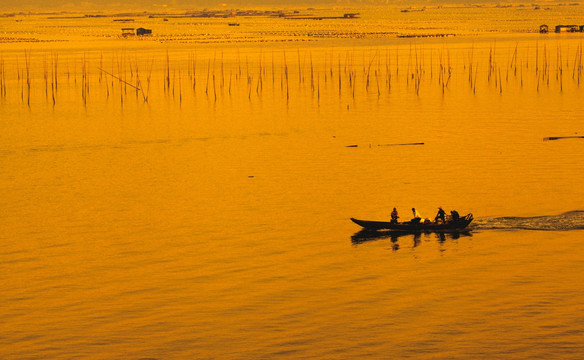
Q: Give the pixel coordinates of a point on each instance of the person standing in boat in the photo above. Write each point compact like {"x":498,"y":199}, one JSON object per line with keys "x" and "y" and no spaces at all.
{"x":394,"y":216}
{"x":417,"y":217}
{"x":441,"y":215}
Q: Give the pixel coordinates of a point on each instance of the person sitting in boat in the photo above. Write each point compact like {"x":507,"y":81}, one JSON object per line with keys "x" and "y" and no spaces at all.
{"x":417,"y":217}
{"x":440,"y":216}
{"x":455,"y":215}
{"x":394,"y":216}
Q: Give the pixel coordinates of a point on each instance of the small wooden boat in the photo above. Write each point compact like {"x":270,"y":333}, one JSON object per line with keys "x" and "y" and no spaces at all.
{"x":409,"y":226}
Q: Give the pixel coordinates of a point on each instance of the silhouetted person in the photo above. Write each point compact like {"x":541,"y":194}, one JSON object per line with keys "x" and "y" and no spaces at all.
{"x":441,"y":215}
{"x":394,"y":216}
{"x":417,"y":216}
{"x":455,"y":215}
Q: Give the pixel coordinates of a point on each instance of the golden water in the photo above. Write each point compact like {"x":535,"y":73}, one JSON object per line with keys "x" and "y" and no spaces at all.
{"x":212,"y":222}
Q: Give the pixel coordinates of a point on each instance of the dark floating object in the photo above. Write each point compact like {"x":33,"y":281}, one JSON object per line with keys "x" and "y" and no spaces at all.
{"x":562,"y":137}
{"x":410,"y":226}
{"x":406,"y":144}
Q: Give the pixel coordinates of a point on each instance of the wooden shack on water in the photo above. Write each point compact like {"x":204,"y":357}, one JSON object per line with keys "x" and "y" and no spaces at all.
{"x":143,"y":31}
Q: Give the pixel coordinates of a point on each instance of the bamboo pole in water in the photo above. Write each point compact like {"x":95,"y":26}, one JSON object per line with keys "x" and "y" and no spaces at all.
{"x":2,"y":77}
{"x":340,"y":75}
{"x":208,"y":75}
{"x":167,"y":71}
{"x":286,"y":73}
{"x":299,"y":70}
{"x":56,"y":68}
{"x":46,"y":75}
{"x":222,"y":72}
{"x":53,"y":77}
{"x":28,"y":77}
{"x":311,"y":74}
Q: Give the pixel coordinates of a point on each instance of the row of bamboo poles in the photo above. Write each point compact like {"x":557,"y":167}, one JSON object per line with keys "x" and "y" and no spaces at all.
{"x":373,"y":71}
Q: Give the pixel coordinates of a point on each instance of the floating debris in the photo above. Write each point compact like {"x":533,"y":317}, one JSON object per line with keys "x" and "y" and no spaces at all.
{"x":562,"y":137}
{"x":405,"y":144}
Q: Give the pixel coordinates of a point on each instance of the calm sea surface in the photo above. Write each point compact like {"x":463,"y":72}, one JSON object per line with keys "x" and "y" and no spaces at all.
{"x":212,"y":220}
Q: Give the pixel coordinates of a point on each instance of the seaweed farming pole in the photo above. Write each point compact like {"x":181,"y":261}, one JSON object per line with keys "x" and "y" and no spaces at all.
{"x":389,"y":70}
{"x":397,"y":63}
{"x":167,"y":83}
{"x":214,"y":61}
{"x":179,"y":87}
{"x":377,"y":75}
{"x":208,"y":74}
{"x":431,"y":64}
{"x":28,"y":79}
{"x":222,"y":72}
{"x":311,"y":74}
{"x":299,"y":70}
{"x":490,"y":68}
{"x":318,"y":87}
{"x":238,"y":74}
{"x":332,"y":63}
{"x":230,"y":75}
{"x":148,"y":81}
{"x":514,"y":60}
{"x":2,"y":77}
{"x":195,"y":72}
{"x":46,"y":75}
{"x":474,"y":90}
{"x":286,"y":73}
{"x":260,"y":84}
{"x":560,"y":71}
{"x":580,"y":63}
{"x":137,"y":73}
{"x":53,"y":77}
{"x":56,"y":68}
{"x":574,"y":67}
{"x":409,"y":63}
{"x":83,"y":79}
{"x":340,"y":75}
{"x":536,"y":58}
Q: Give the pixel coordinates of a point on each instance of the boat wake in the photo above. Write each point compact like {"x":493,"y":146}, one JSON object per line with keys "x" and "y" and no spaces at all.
{"x":571,"y":220}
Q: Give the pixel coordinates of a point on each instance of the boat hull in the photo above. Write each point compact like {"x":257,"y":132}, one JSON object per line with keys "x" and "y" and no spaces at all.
{"x":461,"y":223}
